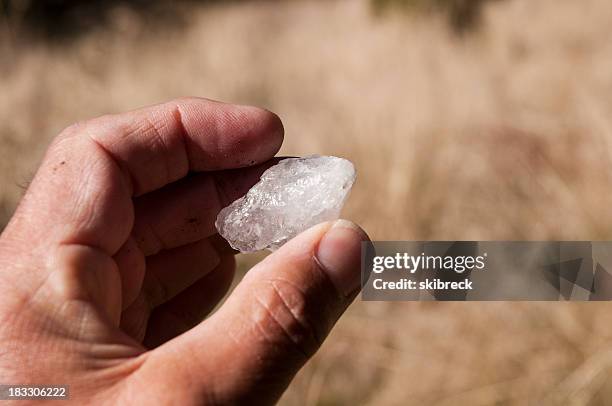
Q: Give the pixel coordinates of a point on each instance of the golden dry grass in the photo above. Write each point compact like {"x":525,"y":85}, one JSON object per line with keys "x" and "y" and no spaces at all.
{"x":505,"y":133}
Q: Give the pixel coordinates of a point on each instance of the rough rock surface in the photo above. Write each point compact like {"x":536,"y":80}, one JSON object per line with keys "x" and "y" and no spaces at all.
{"x":290,"y":197}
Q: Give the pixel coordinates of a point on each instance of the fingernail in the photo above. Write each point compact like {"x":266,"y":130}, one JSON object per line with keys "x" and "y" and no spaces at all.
{"x":339,"y":254}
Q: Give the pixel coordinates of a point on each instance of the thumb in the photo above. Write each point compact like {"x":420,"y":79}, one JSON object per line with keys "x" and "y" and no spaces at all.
{"x":275,"y":320}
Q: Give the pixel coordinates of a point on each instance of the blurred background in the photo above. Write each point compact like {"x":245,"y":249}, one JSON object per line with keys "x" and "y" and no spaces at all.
{"x":482,"y":119}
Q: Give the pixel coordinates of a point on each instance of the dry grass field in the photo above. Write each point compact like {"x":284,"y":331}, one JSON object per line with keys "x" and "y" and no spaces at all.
{"x":504,"y":132}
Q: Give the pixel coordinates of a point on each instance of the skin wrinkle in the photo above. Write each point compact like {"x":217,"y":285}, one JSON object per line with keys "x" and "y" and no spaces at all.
{"x":22,"y":293}
{"x":113,"y":375}
{"x":117,"y":351}
{"x":270,"y":316}
{"x":65,"y":333}
{"x":132,"y":131}
{"x":159,"y":140}
{"x":298,"y":312}
{"x":216,"y":140}
{"x":127,"y":384}
{"x":128,"y":178}
{"x":138,"y":331}
{"x":115,"y":391}
{"x":303,"y":319}
{"x":28,"y":299}
{"x":107,"y":352}
{"x":84,"y":209}
{"x":130,"y":252}
{"x":84,"y":295}
{"x":22,"y":307}
{"x":234,"y":121}
{"x":147,"y":125}
{"x":179,"y":118}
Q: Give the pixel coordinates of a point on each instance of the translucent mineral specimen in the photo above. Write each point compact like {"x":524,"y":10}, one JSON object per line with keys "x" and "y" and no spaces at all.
{"x":290,"y":197}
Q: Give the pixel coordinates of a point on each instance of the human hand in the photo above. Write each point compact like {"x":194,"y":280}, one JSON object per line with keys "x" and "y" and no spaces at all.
{"x":112,"y":260}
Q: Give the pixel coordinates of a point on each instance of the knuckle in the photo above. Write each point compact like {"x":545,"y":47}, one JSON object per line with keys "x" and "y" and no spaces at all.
{"x":68,"y":136}
{"x":284,"y":318}
{"x":72,"y":130}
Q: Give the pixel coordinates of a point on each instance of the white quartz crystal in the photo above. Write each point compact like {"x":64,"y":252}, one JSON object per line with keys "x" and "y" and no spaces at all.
{"x":290,"y":197}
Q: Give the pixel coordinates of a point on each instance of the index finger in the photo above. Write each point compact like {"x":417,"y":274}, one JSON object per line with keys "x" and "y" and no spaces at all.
{"x":82,"y":193}
{"x":160,"y":144}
